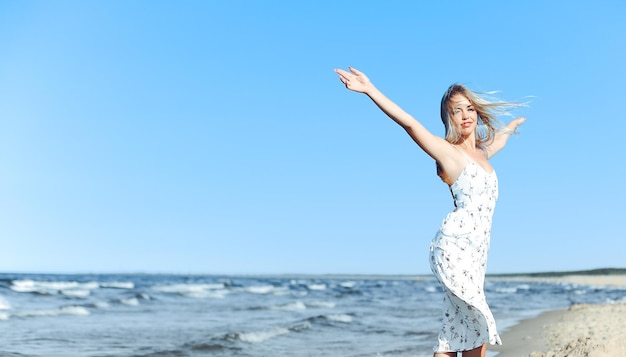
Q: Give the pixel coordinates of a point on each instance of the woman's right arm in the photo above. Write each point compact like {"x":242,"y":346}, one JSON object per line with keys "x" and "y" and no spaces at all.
{"x":434,"y":146}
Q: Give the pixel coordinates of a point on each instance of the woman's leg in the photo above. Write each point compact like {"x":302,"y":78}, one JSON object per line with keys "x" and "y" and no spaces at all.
{"x":444,"y":354}
{"x":476,"y":352}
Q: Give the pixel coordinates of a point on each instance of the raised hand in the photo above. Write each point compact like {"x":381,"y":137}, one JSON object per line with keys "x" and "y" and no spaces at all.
{"x":354,"y":80}
{"x":511,"y":127}
{"x":516,"y":122}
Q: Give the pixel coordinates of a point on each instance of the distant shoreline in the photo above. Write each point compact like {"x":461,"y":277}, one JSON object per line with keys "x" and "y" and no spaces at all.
{"x":601,"y":271}
{"x":551,"y":274}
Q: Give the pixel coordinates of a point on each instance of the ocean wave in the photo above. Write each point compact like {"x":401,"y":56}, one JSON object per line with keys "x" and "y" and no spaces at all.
{"x":185,"y":288}
{"x":348,"y":284}
{"x":134,"y":300}
{"x":99,"y":305}
{"x":292,"y":306}
{"x":326,"y":319}
{"x":204,"y":346}
{"x":265,"y":289}
{"x":76,"y":293}
{"x":65,"y":310}
{"x":430,"y":289}
{"x":24,"y":288}
{"x":118,"y":285}
{"x":130,"y":301}
{"x":74,"y":310}
{"x":316,"y":287}
{"x":508,"y":290}
{"x":4,"y":305}
{"x":349,"y":292}
{"x":216,"y":291}
{"x":298,"y":306}
{"x":51,"y":287}
{"x":339,"y":318}
{"x":258,"y":336}
{"x":216,"y":294}
{"x":143,"y":296}
{"x":300,"y":327}
{"x":322,"y":304}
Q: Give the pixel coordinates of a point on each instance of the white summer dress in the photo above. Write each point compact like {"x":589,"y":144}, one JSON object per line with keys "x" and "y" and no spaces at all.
{"x":458,"y":258}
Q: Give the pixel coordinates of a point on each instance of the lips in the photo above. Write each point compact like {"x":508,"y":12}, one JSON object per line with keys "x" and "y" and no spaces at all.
{"x":467,"y":124}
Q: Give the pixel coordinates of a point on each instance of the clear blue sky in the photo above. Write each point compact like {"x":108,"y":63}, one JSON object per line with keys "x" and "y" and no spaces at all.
{"x":214,"y":136}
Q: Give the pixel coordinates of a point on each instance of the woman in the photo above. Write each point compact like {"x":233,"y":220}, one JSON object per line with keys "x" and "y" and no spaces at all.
{"x":458,"y":253}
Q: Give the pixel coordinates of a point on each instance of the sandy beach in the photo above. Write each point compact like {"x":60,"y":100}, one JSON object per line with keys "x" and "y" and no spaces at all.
{"x":581,"y":330}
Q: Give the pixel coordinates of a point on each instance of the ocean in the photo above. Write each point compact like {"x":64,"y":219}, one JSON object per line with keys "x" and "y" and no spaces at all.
{"x":202,"y":315}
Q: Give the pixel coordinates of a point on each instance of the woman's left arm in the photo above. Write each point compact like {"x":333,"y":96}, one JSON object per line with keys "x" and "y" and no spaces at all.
{"x":502,"y":136}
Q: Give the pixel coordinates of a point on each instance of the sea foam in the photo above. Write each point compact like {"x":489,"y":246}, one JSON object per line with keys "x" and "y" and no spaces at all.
{"x":4,"y":305}
{"x":261,"y":336}
{"x":293,"y":306}
{"x":65,"y":310}
{"x":321,"y":304}
{"x":339,"y":318}
{"x":50,"y":287}
{"x":118,"y":285}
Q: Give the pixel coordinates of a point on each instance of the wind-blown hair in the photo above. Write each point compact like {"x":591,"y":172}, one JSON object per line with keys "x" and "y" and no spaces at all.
{"x":487,"y":109}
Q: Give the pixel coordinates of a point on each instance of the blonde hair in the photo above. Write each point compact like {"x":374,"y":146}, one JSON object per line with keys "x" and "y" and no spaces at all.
{"x":487,"y":109}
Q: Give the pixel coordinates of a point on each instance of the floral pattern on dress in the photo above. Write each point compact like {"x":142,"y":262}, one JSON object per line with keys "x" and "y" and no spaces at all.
{"x":458,"y":259}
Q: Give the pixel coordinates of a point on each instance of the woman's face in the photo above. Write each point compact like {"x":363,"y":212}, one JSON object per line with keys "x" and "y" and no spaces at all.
{"x":463,"y":115}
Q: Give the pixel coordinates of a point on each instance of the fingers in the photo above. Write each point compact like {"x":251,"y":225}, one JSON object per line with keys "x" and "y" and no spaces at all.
{"x":344,"y":77}
{"x":342,"y":73}
{"x":355,"y":71}
{"x":352,"y":78}
{"x":346,"y":74}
